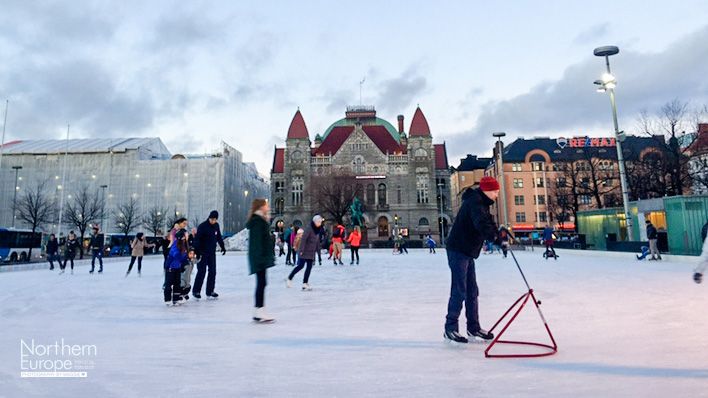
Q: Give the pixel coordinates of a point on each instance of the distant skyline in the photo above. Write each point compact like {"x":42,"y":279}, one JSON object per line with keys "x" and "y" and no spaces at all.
{"x":195,"y":74}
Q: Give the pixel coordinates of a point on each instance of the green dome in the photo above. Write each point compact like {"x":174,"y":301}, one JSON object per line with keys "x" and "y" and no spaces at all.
{"x":375,"y":121}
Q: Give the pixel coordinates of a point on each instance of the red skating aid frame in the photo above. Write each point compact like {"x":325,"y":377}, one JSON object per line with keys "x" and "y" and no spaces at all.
{"x":525,"y":298}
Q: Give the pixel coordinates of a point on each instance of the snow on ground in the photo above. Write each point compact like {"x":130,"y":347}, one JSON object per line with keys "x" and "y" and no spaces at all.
{"x":624,"y":328}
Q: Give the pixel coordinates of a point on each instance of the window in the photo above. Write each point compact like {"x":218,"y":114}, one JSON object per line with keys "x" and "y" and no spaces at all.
{"x":370,"y":194}
{"x":516,"y":167}
{"x":420,"y":153}
{"x":297,"y":186}
{"x":561,"y":182}
{"x":585,"y":199}
{"x":521,"y":217}
{"x":559,"y":167}
{"x":423,"y":221}
{"x":607,"y":182}
{"x":279,"y":206}
{"x":540,"y":199}
{"x":585,"y":182}
{"x":382,"y":194}
{"x":422,"y":188}
{"x":358,"y":146}
{"x":518,"y":182}
{"x":519,"y":200}
{"x":297,"y":155}
{"x":538,"y":182}
{"x":398,"y":195}
{"x":279,"y":186}
{"x":582,"y":166}
{"x":542,"y":216}
{"x":462,"y":177}
{"x":562,"y":200}
{"x":537,"y":166}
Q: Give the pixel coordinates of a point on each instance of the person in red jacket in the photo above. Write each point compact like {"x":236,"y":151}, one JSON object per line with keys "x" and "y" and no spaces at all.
{"x":338,"y":236}
{"x":354,"y":242}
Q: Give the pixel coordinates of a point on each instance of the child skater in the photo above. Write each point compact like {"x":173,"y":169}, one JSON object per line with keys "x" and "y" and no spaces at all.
{"x":178,"y":255}
{"x":431,"y":244}
{"x":186,"y":274}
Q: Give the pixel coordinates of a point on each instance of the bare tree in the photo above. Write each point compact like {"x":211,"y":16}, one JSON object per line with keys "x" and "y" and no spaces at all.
{"x":333,"y":194}
{"x":84,"y":208}
{"x":154,"y":220}
{"x":35,"y":208}
{"x":127,"y":216}
{"x":173,"y":216}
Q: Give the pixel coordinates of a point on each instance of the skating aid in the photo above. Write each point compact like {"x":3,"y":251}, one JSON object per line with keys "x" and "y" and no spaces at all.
{"x":523,"y":300}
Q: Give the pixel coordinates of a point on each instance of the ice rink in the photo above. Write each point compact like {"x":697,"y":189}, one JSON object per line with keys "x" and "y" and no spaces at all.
{"x":624,"y":329}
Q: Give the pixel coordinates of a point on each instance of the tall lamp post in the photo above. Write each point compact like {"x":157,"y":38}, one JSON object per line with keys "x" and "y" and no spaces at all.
{"x":608,"y":82}
{"x":500,"y":145}
{"x":14,"y":200}
{"x":442,"y":218}
{"x":103,"y":204}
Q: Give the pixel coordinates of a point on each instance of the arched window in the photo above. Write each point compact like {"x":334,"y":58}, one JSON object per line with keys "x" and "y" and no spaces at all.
{"x":383,"y":226}
{"x":420,"y":152}
{"x":382,"y":194}
{"x":297,"y":155}
{"x":279,"y":206}
{"x":370,"y":194}
{"x":423,"y":221}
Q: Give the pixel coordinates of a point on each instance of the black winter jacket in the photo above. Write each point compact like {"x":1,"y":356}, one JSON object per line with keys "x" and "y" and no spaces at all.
{"x":52,"y":247}
{"x":704,"y":232}
{"x":473,"y":224}
{"x":97,"y":241}
{"x":651,"y":231}
{"x":207,"y":237}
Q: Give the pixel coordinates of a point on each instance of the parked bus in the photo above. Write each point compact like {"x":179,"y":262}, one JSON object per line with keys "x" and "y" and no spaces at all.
{"x":15,"y":245}
{"x":118,"y":245}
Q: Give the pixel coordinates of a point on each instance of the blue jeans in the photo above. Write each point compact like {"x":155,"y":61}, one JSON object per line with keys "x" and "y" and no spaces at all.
{"x":52,"y":258}
{"x":645,"y":251}
{"x":463,"y":290}
{"x":96,"y":253}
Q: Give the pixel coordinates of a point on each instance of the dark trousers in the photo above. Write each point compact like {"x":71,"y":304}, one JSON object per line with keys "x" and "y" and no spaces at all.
{"x":52,"y":258}
{"x":172,"y":284}
{"x":289,"y":258}
{"x":551,"y":248}
{"x":96,"y":253}
{"x":463,"y":290}
{"x":300,"y":265}
{"x":132,"y":261}
{"x":355,"y":251}
{"x":504,"y":248}
{"x":208,"y":261}
{"x":432,"y":249}
{"x":260,"y":288}
{"x":69,"y":256}
{"x":319,"y":254}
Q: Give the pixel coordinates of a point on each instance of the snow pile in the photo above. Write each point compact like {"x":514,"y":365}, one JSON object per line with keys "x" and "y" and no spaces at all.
{"x":237,"y":242}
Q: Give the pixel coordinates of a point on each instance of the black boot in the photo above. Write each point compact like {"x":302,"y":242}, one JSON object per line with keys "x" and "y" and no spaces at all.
{"x":454,"y":335}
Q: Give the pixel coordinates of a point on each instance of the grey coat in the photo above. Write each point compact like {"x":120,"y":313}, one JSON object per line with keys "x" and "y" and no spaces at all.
{"x":310,"y":242}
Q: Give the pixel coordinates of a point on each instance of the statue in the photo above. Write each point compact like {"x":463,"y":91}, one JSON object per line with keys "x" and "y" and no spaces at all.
{"x":357,"y":219}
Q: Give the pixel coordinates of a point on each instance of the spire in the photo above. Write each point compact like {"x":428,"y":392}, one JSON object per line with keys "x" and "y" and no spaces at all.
{"x":419,"y":126}
{"x":297,"y":127}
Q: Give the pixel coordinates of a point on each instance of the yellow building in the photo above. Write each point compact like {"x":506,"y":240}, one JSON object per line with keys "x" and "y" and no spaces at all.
{"x":467,"y":174}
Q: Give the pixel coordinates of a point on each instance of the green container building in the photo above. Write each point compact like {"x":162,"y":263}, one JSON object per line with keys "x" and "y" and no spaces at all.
{"x":685,"y":217}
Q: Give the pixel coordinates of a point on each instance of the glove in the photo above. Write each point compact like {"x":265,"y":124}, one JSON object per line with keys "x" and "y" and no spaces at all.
{"x":223,"y":251}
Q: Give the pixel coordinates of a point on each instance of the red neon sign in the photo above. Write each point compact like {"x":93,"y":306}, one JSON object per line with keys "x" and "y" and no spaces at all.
{"x":523,"y":226}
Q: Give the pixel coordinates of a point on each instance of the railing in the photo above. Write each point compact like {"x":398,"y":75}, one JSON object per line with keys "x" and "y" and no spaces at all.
{"x":398,"y":158}
{"x":321,"y":160}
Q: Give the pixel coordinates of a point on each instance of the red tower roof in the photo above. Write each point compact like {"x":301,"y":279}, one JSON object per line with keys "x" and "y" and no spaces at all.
{"x":297,"y":127}
{"x":440,"y":157}
{"x":279,"y":160}
{"x":419,"y":126}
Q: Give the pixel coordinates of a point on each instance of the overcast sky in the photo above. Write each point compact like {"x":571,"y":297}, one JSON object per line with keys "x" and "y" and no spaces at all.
{"x":196,"y":73}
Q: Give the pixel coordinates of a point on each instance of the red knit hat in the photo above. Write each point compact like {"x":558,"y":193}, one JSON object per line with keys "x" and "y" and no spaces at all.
{"x":488,"y":184}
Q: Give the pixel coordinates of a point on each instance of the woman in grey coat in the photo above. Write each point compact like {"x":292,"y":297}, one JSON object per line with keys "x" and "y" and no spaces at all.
{"x":309,"y":244}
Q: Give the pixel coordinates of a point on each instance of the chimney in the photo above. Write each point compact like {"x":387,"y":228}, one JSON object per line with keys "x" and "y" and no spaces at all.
{"x":400,"y":124}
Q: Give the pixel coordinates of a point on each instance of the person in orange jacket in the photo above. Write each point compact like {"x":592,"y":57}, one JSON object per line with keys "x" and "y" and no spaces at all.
{"x":354,"y":242}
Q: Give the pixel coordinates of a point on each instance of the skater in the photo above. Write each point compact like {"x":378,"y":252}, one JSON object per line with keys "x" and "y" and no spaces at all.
{"x":72,"y":244}
{"x":354,"y":242}
{"x":504,"y":234}
{"x":431,"y":244}
{"x":308,"y":244}
{"x":652,"y":237}
{"x":260,"y":257}
{"x":53,"y":251}
{"x":645,"y":252}
{"x":296,"y":245}
{"x":96,"y":245}
{"x":338,"y":236}
{"x":186,"y":274}
{"x":286,"y":237}
{"x":703,"y":259}
{"x":402,"y":246}
{"x":208,"y":235}
{"x":138,"y":250}
{"x":293,"y":235}
{"x":472,"y":226}
{"x":281,"y":244}
{"x":548,"y":241}
{"x":177,"y":257}
{"x":165,"y":245}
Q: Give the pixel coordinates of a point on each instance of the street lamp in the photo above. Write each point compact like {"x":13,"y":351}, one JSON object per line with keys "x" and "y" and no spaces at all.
{"x":103,"y":203}
{"x":500,"y":146}
{"x":441,"y":184}
{"x":395,"y":225}
{"x":608,"y":82}
{"x":14,"y":200}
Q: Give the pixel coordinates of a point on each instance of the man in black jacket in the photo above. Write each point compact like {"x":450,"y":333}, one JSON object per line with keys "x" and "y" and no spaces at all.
{"x":208,"y":235}
{"x":97,"y":242}
{"x":652,"y":237}
{"x":472,"y":226}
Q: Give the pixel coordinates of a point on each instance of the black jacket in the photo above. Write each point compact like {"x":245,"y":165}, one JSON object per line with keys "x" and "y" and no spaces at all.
{"x":71,"y":245}
{"x":473,"y":224}
{"x":207,"y":237}
{"x":651,"y":231}
{"x":704,"y":232}
{"x":97,"y":241}
{"x":52,"y":247}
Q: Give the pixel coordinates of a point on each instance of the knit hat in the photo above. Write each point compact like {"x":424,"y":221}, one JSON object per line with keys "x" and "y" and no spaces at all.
{"x":214,"y":214}
{"x":487,"y":184}
{"x":317,"y":218}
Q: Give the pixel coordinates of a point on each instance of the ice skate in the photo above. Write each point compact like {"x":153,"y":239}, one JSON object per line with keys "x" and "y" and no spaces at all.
{"x":61,"y":272}
{"x":454,"y":336}
{"x":288,"y":283}
{"x":306,"y":287}
{"x":481,"y":333}
{"x":260,"y":316}
{"x":196,"y":295}
{"x":127,"y":273}
{"x":212,"y":296}
{"x":697,"y":277}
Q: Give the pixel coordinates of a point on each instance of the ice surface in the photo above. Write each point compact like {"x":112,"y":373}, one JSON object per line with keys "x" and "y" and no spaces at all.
{"x":624,"y":328}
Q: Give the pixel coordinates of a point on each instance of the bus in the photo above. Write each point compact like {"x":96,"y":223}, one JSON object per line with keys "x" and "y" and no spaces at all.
{"x":15,"y":245}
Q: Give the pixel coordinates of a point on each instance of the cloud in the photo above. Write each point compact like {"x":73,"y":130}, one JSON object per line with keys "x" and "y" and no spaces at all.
{"x":571,"y":105}
{"x":592,"y":34}
{"x":398,"y":93}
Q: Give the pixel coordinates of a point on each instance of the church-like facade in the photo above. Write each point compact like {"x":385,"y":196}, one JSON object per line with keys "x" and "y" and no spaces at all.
{"x":402,"y":180}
